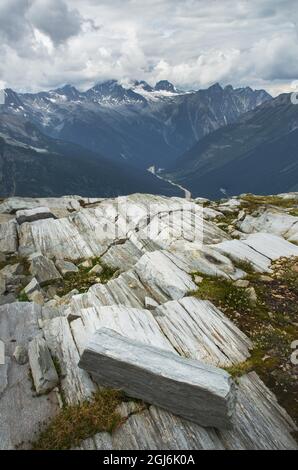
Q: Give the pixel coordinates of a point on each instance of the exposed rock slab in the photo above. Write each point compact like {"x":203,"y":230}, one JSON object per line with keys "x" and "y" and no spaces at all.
{"x":123,"y":256}
{"x":239,"y":251}
{"x":133,"y":323}
{"x":199,"y":330}
{"x":194,"y":390}
{"x":22,"y":413}
{"x":272,"y":246}
{"x":159,"y":273}
{"x":61,"y":205}
{"x":76,"y":383}
{"x":272,"y":221}
{"x":260,"y":424}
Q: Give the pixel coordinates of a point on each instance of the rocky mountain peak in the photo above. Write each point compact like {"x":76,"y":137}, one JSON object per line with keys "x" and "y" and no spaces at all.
{"x":165,"y":85}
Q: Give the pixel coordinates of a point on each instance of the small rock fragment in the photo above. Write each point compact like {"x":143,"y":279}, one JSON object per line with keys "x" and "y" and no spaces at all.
{"x":20,"y":354}
{"x":252,"y":295}
{"x":44,"y":374}
{"x":198,"y":279}
{"x":241,"y":283}
{"x":86,"y":264}
{"x":265,"y":278}
{"x":97,"y":269}
{"x":66,"y":267}
{"x":150,"y":303}
{"x":32,"y":287}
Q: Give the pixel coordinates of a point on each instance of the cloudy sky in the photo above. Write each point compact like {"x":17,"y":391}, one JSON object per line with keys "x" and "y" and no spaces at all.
{"x":193,"y":43}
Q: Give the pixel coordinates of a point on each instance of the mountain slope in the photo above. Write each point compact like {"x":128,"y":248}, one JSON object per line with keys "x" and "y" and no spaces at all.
{"x":32,"y":164}
{"x":256,"y":154}
{"x":142,"y":125}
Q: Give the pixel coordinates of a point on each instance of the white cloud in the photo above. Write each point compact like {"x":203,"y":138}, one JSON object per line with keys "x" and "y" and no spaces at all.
{"x":193,"y":43}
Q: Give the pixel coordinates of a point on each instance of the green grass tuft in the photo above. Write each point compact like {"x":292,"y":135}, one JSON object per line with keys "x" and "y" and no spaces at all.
{"x":76,"y":423}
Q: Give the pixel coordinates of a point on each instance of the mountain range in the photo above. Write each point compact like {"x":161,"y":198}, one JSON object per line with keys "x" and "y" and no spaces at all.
{"x":256,"y":154}
{"x":101,"y":141}
{"x":142,"y":125}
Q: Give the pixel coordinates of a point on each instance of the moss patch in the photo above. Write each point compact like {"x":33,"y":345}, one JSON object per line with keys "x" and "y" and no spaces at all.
{"x":76,"y":423}
{"x":222,"y":293}
{"x":253,"y":202}
{"x":23,"y":297}
{"x":272,"y":325}
{"x":83,"y":279}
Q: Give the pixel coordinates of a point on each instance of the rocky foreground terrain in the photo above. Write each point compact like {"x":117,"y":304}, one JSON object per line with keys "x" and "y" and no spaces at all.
{"x":215,"y":282}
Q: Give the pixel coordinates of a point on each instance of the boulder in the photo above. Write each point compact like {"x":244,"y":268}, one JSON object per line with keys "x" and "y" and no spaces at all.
{"x":31,"y":215}
{"x":43,"y":269}
{"x":44,"y":374}
{"x":66,"y":267}
{"x":191,"y":389}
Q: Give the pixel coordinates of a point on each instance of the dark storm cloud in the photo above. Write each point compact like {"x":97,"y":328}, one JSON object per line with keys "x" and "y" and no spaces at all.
{"x":56,"y":19}
{"x":191,"y":42}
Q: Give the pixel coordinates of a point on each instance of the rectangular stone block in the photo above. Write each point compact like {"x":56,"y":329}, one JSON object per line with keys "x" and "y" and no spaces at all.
{"x":196,"y":391}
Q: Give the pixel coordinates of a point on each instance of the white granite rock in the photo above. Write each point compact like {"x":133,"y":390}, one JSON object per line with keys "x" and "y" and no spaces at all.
{"x":237,"y":250}
{"x":199,"y":330}
{"x":137,"y":324}
{"x":271,"y":246}
{"x":272,"y":221}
